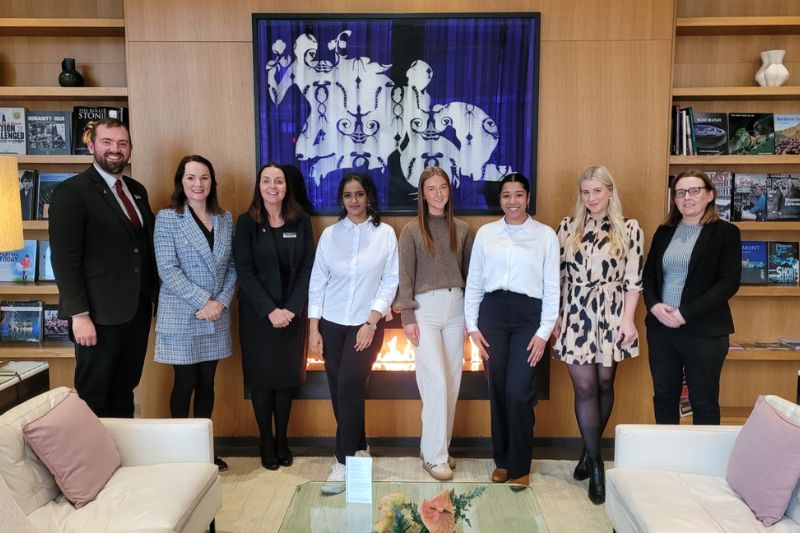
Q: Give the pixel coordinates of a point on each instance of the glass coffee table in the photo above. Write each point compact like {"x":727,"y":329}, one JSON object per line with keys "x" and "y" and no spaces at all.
{"x":498,"y":509}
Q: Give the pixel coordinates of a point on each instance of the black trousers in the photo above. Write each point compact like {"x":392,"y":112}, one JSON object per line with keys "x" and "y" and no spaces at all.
{"x":107,"y":373}
{"x":673,"y":351}
{"x":348,"y":372}
{"x":507,"y":321}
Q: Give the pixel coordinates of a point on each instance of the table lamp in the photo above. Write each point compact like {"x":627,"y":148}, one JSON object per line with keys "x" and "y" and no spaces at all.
{"x":10,"y":207}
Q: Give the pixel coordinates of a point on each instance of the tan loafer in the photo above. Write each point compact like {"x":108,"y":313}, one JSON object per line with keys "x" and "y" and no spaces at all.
{"x":499,"y":475}
{"x":520,"y":483}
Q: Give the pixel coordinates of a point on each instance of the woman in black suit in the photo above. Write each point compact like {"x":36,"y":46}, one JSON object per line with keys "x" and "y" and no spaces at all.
{"x":692,"y":270}
{"x":274,"y":253}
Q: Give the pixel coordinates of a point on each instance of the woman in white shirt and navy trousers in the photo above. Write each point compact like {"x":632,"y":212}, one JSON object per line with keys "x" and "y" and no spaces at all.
{"x":353,"y":283}
{"x":511,"y":305}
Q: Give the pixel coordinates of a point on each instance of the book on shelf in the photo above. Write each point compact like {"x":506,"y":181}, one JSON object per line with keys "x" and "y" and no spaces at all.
{"x":782,"y":263}
{"x":783,"y":197}
{"x":749,"y":197}
{"x":27,"y":193}
{"x":723,"y":181}
{"x":48,"y":181}
{"x":711,"y":133}
{"x":55,"y":329}
{"x":45,"y":264}
{"x":83,"y":120}
{"x":751,"y":133}
{"x":21,"y":321}
{"x":775,"y":346}
{"x":12,"y":131}
{"x":787,"y":134}
{"x":754,"y":263}
{"x":49,"y":132}
{"x":19,"y":266}
{"x":684,"y":406}
{"x":734,"y":346}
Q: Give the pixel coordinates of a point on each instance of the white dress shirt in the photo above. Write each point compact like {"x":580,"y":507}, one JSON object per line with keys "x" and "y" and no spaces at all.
{"x":111,"y":181}
{"x":521,"y":258}
{"x":355,"y":271}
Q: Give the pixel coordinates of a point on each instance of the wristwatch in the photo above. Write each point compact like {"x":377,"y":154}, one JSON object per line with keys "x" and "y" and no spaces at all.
{"x":371,"y":326}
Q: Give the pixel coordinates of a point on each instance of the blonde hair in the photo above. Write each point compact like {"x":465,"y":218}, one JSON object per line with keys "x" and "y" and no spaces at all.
{"x":617,"y":235}
{"x":422,"y":209}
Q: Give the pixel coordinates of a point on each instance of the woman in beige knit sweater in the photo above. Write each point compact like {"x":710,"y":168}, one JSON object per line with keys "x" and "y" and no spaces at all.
{"x":434,"y":255}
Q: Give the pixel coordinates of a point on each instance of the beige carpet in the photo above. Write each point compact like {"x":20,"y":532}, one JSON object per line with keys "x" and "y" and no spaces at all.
{"x":255,"y":499}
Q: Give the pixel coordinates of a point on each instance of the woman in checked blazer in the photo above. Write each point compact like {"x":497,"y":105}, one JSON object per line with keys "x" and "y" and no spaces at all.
{"x":193,"y":242}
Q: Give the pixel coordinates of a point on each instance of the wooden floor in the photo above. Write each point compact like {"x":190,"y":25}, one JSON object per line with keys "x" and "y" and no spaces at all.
{"x":255,"y":499}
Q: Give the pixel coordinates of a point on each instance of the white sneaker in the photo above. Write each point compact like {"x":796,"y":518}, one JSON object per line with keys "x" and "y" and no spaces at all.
{"x":441,"y":472}
{"x":335,"y":482}
{"x":363,"y":453}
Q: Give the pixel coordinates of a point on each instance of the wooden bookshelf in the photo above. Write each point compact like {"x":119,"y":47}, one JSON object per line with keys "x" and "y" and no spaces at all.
{"x":791,"y":92}
{"x":694,"y":160}
{"x":55,"y":159}
{"x":28,"y":289}
{"x":35,"y":225}
{"x":769,"y":225}
{"x":769,"y":290}
{"x":36,"y":351}
{"x":734,"y":416}
{"x":62,"y":27}
{"x":64,"y":93}
{"x":737,"y":26}
{"x":763,"y":355}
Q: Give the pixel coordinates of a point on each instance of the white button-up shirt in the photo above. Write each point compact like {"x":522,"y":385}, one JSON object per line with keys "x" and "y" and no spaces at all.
{"x":111,"y":181}
{"x":355,"y":271}
{"x":520,"y":258}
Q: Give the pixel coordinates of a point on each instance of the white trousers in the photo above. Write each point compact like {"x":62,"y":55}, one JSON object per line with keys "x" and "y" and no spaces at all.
{"x":439,"y":361}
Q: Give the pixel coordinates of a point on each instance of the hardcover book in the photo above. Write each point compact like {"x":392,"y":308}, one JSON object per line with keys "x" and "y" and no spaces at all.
{"x":754,"y":262}
{"x":19,"y":266}
{"x":49,"y":132}
{"x":45,"y":265}
{"x":751,"y":133}
{"x":782,"y":263}
{"x":55,"y":329}
{"x":12,"y":130}
{"x":48,"y":181}
{"x":21,"y":321}
{"x":783,"y":197}
{"x":711,"y":133}
{"x":787,"y":134}
{"x":27,"y":193}
{"x":83,"y":121}
{"x":724,"y":184}
{"x":749,"y":196}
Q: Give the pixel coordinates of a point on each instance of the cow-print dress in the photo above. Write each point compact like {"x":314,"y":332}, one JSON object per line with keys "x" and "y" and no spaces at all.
{"x":593,"y":287}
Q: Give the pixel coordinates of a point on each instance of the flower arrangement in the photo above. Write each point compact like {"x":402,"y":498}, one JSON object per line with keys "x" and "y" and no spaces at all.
{"x":437,"y":515}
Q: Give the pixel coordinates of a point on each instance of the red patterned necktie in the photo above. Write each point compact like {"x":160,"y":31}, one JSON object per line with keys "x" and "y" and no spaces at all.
{"x":137,"y":225}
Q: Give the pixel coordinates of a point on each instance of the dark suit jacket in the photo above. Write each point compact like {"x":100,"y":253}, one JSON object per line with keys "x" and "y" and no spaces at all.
{"x":258,"y":269}
{"x":715,"y":270}
{"x":100,"y":263}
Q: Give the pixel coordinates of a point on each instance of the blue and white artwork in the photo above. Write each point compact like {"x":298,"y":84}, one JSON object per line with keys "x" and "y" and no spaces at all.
{"x":389,"y":96}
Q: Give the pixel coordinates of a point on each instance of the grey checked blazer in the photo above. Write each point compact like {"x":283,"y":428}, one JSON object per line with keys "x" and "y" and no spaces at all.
{"x":190,"y":274}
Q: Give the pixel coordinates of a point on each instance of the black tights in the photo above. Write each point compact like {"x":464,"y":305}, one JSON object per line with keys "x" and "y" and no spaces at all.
{"x":269,"y":404}
{"x":594,"y":399}
{"x":197,"y":379}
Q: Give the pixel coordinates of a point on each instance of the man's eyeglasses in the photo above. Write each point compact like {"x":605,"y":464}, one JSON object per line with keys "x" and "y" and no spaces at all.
{"x":691,"y":191}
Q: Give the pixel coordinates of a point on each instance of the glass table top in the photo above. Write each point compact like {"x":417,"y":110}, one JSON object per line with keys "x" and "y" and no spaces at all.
{"x":497,"y":509}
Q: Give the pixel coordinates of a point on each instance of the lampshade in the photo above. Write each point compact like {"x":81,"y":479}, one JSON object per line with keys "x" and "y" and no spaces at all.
{"x":10,"y":207}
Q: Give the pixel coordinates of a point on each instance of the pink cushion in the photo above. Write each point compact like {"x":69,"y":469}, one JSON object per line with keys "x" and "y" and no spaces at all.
{"x":764,"y":465}
{"x":76,"y":448}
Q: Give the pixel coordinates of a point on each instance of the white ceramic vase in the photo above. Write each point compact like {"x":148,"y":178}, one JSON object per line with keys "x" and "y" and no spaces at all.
{"x":759,"y":77}
{"x":776,"y":73}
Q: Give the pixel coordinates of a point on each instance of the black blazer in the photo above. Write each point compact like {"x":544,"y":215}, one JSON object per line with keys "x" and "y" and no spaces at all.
{"x":715,"y":270}
{"x":258,"y":269}
{"x":100,"y":263}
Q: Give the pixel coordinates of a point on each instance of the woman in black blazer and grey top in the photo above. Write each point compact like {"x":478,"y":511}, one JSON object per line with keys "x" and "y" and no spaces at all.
{"x":274,"y":253}
{"x":693,"y":268}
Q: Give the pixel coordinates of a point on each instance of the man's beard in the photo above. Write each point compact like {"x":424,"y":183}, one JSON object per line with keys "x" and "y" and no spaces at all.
{"x":111,"y":168}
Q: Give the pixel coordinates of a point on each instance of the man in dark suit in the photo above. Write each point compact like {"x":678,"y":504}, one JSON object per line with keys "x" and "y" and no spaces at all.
{"x":101,"y":239}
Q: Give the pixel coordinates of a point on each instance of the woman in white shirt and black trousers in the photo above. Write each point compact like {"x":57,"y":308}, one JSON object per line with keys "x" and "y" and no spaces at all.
{"x":353,"y":283}
{"x":511,"y":305}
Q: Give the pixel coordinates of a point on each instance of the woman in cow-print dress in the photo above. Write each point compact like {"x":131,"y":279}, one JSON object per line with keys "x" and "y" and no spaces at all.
{"x":601,"y":278}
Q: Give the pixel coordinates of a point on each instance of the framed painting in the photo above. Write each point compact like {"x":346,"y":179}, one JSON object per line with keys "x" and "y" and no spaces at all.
{"x":388,"y":95}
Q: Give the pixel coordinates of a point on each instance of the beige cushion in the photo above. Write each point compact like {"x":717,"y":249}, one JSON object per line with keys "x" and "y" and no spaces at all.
{"x":76,"y":448}
{"x":27,"y":478}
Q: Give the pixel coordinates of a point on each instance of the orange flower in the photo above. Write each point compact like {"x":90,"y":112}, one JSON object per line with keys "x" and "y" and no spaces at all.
{"x":387,"y":506}
{"x":438,"y":513}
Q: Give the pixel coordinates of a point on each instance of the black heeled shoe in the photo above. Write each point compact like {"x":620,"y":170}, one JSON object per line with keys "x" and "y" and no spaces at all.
{"x":582,"y":468}
{"x":285,"y":458}
{"x":222,"y":465}
{"x":597,"y":481}
{"x":268,"y":458}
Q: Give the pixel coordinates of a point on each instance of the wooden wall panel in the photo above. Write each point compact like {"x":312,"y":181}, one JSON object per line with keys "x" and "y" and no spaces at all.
{"x":61,"y":8}
{"x":604,"y":99}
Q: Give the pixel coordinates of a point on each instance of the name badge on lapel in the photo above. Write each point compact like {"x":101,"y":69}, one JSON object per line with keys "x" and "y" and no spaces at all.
{"x":289,"y":235}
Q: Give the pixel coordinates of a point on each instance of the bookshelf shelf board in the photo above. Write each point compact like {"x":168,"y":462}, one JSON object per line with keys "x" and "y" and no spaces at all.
{"x":768,"y":290}
{"x":763,"y":355}
{"x":54,"y":159}
{"x":63,"y":27}
{"x":35,"y":225}
{"x":64,"y":93}
{"x":28,"y":289}
{"x":35,"y":351}
{"x":776,"y":225}
{"x":734,"y":160}
{"x":736,"y":93}
{"x":737,"y":26}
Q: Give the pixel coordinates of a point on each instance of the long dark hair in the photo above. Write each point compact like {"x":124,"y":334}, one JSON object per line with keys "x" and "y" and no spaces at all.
{"x":290,"y":209}
{"x":369,"y":188}
{"x":178,"y":198}
{"x":299,"y":190}
{"x":422,"y":210}
{"x":516,"y":177}
{"x":711,"y":213}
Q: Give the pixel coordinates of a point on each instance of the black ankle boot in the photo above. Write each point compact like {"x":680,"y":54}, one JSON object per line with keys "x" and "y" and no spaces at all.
{"x":268,"y":458}
{"x":582,"y":468}
{"x":597,"y":481}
